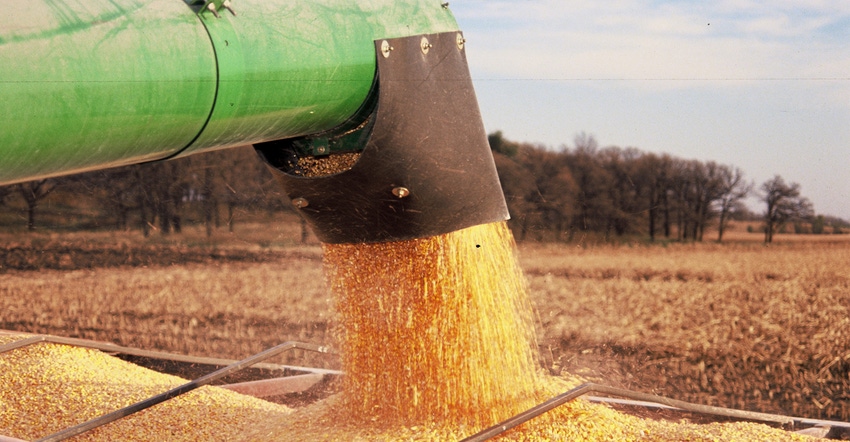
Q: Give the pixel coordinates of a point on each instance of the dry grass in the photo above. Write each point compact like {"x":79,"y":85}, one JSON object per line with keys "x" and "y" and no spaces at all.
{"x":745,"y":326}
{"x":739,"y":234}
{"x":227,"y":303}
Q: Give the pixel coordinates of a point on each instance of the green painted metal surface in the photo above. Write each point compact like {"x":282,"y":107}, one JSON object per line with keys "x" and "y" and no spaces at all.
{"x":99,"y":83}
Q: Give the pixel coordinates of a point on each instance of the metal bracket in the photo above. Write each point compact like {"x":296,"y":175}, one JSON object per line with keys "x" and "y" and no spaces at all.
{"x":426,"y":169}
{"x":214,"y":6}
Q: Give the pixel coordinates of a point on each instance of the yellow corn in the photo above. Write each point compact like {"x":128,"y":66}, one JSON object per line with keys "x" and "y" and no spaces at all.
{"x":48,"y":387}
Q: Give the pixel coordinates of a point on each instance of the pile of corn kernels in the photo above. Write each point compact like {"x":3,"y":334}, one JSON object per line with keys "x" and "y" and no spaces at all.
{"x":49,"y":387}
{"x":578,"y":420}
{"x":327,"y":165}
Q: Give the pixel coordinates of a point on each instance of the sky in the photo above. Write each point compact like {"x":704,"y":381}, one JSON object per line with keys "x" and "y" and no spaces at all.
{"x":759,"y":85}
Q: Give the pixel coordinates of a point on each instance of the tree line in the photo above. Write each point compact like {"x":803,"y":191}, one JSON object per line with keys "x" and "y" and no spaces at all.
{"x":207,"y":188}
{"x":616,"y":192}
{"x":566,"y":195}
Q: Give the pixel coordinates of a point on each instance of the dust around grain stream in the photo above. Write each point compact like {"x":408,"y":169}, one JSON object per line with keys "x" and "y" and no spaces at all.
{"x":457,"y":356}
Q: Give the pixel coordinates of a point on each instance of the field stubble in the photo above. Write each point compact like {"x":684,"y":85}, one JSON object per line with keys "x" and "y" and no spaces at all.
{"x":219,"y":302}
{"x":742,"y":326}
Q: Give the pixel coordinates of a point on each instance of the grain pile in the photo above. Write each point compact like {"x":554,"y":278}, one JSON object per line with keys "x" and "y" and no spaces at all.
{"x":310,"y":166}
{"x":50,"y":387}
{"x":578,"y":420}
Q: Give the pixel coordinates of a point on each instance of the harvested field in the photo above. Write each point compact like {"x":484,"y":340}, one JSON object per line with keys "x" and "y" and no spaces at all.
{"x":741,"y":325}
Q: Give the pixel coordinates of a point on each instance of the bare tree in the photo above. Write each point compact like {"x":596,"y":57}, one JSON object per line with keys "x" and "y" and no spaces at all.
{"x":653,"y":172}
{"x":519,"y":187}
{"x":553,"y":191}
{"x":733,"y":189}
{"x":685,"y":193}
{"x":33,"y":192}
{"x":783,"y":204}
{"x":624,"y":190}
{"x":697,"y":188}
{"x":163,"y":187}
{"x":4,"y":192}
{"x":115,"y":190}
{"x":593,"y":205}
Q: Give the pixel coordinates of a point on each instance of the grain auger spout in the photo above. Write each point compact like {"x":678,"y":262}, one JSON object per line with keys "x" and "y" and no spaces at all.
{"x":97,"y":84}
{"x":414,"y":162}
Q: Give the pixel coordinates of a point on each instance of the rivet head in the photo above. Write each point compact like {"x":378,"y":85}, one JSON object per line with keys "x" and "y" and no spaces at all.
{"x":386,"y":48}
{"x":300,"y":203}
{"x":211,"y":8}
{"x":425,"y":45}
{"x":460,"y":41}
{"x":401,"y":192}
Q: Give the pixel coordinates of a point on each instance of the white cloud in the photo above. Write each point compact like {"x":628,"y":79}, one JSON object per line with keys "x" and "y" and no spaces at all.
{"x":778,"y":24}
{"x":628,"y":39}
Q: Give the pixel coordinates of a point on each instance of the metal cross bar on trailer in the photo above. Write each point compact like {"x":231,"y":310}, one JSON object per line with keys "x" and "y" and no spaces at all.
{"x":162,"y":397}
{"x":583,"y":389}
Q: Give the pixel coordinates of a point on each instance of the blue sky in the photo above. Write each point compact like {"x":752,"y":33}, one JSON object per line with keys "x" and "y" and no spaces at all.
{"x":764,"y":86}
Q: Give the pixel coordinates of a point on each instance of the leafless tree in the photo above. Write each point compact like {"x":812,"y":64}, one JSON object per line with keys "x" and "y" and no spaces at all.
{"x":654,"y":174}
{"x":783,"y":204}
{"x":4,"y":192}
{"x":733,"y":189}
{"x":33,"y":192}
